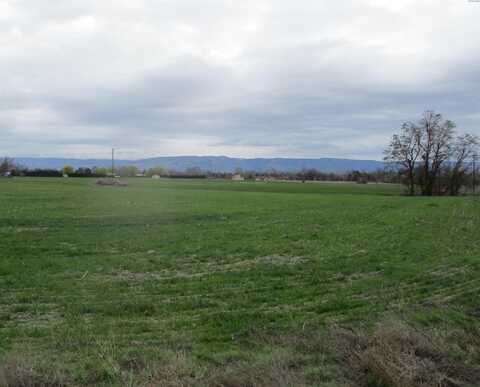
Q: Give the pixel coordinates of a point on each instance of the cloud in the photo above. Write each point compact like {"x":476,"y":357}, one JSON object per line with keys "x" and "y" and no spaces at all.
{"x":251,"y":78}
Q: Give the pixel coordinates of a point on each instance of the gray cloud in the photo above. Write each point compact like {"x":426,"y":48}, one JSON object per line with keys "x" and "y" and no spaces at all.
{"x":251,"y":78}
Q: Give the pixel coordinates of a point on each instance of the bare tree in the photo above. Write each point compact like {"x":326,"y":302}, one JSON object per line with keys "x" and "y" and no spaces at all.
{"x":6,"y":165}
{"x":404,"y":150}
{"x":436,"y":145}
{"x":464,"y":149}
{"x":431,"y":156}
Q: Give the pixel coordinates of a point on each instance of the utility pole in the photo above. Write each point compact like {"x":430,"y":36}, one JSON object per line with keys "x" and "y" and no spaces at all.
{"x":474,"y":173}
{"x":113,"y":162}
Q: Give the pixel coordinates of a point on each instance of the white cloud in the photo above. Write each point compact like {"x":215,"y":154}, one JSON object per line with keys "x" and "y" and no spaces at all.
{"x":250,"y":78}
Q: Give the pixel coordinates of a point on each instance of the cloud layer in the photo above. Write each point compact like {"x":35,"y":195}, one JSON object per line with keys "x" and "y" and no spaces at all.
{"x":244,"y":78}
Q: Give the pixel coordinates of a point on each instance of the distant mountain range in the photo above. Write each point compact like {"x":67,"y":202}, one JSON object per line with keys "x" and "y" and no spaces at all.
{"x":213,"y":163}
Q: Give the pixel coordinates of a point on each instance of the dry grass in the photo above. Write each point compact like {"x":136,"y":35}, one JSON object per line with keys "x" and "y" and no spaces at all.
{"x":24,"y":371}
{"x":275,"y":373}
{"x":393,"y":354}
{"x":279,"y":371}
{"x":396,"y":355}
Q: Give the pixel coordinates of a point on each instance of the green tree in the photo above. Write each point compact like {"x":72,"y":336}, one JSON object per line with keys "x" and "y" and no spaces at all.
{"x":101,"y":170}
{"x":67,"y":170}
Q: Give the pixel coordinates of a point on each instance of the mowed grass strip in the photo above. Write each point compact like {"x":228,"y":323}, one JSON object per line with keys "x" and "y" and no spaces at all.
{"x":204,"y":266}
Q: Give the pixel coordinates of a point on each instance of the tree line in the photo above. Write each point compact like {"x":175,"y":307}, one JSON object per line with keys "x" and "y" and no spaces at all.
{"x":381,"y":175}
{"x":431,"y":158}
{"x":8,"y":165}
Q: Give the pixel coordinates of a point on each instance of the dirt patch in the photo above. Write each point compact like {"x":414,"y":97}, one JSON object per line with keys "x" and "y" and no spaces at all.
{"x":274,"y":260}
{"x":280,"y":260}
{"x":356,"y":276}
{"x":35,"y":319}
{"x":111,"y":182}
{"x":126,"y":275}
{"x":449,"y":271}
{"x":8,"y":229}
{"x":207,"y":269}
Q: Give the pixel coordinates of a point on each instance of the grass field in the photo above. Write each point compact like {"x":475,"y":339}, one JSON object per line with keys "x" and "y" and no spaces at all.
{"x":172,"y":281}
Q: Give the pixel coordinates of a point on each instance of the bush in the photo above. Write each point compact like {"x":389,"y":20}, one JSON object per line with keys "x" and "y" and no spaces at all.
{"x":42,"y":173}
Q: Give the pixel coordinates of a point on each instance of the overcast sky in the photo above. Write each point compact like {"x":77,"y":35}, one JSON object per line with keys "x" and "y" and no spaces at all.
{"x":245,"y":78}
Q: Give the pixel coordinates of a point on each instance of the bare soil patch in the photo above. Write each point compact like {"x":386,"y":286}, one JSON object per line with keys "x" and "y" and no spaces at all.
{"x":111,"y":182}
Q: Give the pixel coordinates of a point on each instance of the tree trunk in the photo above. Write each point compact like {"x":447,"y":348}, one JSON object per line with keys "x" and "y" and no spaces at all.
{"x":411,"y":183}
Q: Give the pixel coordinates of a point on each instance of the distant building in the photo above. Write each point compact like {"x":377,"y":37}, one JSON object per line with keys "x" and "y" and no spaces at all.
{"x":238,"y":177}
{"x":155,"y":176}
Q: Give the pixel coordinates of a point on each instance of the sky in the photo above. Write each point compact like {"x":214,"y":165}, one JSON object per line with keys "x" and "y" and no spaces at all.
{"x":241,"y":78}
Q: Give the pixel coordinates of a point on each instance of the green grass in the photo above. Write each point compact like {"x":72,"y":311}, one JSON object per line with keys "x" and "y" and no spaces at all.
{"x":207,"y":266}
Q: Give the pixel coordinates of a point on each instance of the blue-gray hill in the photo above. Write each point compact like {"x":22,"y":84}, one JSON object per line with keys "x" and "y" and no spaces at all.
{"x":213,"y":163}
